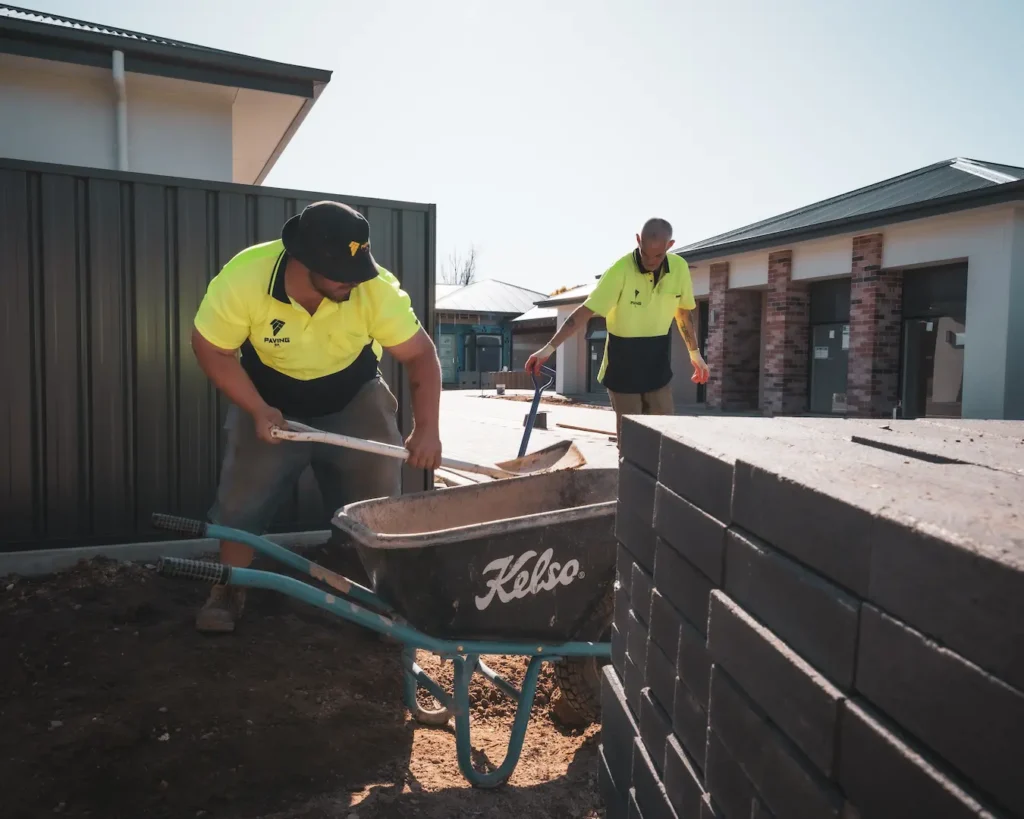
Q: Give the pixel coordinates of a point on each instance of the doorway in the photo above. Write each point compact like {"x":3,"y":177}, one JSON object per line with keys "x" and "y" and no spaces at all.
{"x":933,"y":339}
{"x":597,"y":336}
{"x":703,"y":311}
{"x":446,"y":353}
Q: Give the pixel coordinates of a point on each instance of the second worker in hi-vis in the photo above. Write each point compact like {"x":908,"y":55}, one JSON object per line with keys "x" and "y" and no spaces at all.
{"x":639,"y":296}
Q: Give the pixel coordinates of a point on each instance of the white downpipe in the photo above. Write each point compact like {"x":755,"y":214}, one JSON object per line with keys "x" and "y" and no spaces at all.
{"x":122,"y":111}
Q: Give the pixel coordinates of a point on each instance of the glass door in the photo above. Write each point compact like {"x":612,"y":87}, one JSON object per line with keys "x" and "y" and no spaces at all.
{"x":933,"y":367}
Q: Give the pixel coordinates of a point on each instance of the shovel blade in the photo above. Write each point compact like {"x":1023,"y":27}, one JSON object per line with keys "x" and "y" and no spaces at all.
{"x":563,"y":455}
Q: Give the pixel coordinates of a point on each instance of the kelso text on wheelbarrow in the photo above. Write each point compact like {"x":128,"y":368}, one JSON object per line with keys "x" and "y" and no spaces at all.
{"x":526,"y":582}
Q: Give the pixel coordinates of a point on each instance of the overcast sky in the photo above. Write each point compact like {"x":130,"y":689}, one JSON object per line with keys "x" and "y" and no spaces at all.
{"x":546,"y":131}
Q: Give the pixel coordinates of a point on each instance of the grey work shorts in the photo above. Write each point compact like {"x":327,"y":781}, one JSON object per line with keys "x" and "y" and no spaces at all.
{"x":256,"y":477}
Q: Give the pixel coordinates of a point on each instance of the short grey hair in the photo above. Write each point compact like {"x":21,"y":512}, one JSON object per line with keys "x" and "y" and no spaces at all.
{"x":656,"y":229}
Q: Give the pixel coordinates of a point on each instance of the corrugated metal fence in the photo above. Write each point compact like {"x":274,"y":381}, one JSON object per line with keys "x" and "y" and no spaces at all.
{"x":106,"y":416}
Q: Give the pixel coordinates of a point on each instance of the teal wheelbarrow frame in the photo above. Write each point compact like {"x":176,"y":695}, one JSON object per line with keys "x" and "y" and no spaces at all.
{"x":360,"y":605}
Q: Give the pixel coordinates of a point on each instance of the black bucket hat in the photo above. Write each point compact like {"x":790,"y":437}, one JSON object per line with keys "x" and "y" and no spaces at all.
{"x":333,"y":240}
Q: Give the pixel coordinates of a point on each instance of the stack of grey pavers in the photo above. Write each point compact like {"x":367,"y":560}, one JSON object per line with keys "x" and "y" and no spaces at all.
{"x":817,"y":618}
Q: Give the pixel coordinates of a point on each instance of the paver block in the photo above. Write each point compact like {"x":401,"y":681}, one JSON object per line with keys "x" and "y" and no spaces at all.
{"x":787,"y":783}
{"x":888,"y":778}
{"x":622,"y":593}
{"x":968,"y":717}
{"x":651,"y":796}
{"x":636,"y":535}
{"x":655,"y":729}
{"x":701,"y":473}
{"x":618,"y":651}
{"x":728,"y":786}
{"x":815,"y":618}
{"x":961,"y":587}
{"x":636,"y":491}
{"x":618,"y":728}
{"x":640,"y":445}
{"x":633,"y":683}
{"x":624,"y":568}
{"x":690,"y":722}
{"x":694,"y":664}
{"x":660,"y":677}
{"x":614,"y":796}
{"x":683,"y":585}
{"x":691,"y":531}
{"x":805,"y":521}
{"x":708,"y":809}
{"x":664,"y":626}
{"x":940,"y":440}
{"x":636,"y":642}
{"x":641,"y":587}
{"x":634,"y":809}
{"x":798,"y":699}
{"x":683,"y":781}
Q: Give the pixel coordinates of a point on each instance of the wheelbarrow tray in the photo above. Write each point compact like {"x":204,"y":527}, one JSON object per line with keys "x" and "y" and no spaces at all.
{"x":520,"y":559}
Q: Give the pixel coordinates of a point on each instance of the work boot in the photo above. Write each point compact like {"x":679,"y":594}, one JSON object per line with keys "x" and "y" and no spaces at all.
{"x":221,"y":609}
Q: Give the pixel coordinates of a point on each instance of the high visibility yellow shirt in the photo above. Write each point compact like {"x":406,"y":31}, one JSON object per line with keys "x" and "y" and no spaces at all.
{"x":639,"y":307}
{"x":305,"y":365}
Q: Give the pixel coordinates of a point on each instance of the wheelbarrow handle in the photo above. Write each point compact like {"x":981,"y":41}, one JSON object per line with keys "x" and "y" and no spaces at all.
{"x":201,"y":570}
{"x":300,"y":432}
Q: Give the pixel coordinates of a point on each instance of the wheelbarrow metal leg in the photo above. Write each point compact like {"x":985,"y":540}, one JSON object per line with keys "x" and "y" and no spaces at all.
{"x":464,"y":668}
{"x":414,"y":678}
{"x":498,"y":681}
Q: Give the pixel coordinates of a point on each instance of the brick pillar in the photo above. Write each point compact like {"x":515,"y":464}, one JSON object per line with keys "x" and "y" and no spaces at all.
{"x":734,"y":343}
{"x":719,"y":283}
{"x":876,"y":303}
{"x":787,"y":341}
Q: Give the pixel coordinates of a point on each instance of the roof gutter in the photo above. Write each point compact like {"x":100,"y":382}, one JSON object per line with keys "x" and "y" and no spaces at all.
{"x":997,"y":194}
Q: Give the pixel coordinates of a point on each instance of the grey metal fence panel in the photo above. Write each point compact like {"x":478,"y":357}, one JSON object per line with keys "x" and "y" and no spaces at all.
{"x":105,"y":415}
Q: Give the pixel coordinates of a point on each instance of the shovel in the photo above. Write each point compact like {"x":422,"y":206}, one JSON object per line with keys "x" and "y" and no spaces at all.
{"x":563,"y":455}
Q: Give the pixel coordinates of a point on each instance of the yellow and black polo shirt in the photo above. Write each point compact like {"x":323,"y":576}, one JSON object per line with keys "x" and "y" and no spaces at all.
{"x":304,"y":365}
{"x":639,"y":307}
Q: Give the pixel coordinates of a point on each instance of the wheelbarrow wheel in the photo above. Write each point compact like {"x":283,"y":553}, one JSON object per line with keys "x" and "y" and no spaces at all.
{"x":579,"y":678}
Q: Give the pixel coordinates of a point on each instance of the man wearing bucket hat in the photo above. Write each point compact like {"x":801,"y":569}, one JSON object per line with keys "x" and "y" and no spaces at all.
{"x":310,"y":314}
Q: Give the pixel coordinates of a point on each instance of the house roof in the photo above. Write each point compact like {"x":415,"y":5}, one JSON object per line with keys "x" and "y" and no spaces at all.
{"x":442,"y":290}
{"x":945,"y":187}
{"x":488,"y":296}
{"x":577,"y":295}
{"x":49,"y":36}
{"x":537,"y":314}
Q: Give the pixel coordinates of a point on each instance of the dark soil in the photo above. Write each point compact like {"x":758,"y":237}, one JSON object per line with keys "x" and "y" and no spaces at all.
{"x":112,"y":706}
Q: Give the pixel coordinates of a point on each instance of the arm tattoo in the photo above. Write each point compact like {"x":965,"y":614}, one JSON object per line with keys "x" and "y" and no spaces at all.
{"x":685,"y":323}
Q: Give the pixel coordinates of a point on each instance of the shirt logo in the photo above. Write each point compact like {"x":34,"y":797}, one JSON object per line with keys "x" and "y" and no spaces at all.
{"x":276,"y":326}
{"x":636,"y":299}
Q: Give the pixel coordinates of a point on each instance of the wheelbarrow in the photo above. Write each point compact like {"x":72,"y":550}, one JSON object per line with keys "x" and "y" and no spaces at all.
{"x":562,"y":455}
{"x":522,"y":567}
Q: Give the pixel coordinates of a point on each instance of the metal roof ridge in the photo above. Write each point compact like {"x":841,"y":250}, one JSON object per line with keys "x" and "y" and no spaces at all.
{"x":978,"y":169}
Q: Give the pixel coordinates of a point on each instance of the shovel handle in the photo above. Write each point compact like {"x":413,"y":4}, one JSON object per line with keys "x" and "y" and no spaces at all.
{"x":300,"y":432}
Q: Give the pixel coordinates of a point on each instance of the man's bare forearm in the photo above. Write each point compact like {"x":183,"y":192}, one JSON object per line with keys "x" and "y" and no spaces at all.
{"x":425,"y":384}
{"x":684,"y":321}
{"x":577,"y":320}
{"x":226,"y":373}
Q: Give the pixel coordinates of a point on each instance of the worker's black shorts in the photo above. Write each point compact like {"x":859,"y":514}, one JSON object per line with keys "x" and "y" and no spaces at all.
{"x":256,"y":476}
